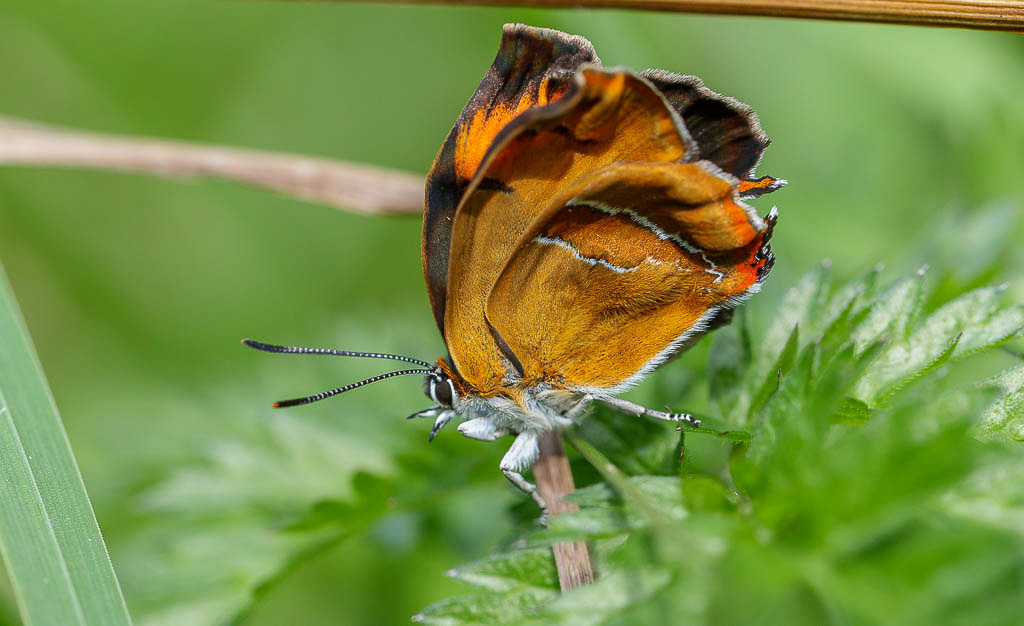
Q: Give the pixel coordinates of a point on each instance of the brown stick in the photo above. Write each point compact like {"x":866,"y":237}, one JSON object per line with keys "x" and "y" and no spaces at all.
{"x":1005,"y":15}
{"x":554,"y":480}
{"x":360,"y":188}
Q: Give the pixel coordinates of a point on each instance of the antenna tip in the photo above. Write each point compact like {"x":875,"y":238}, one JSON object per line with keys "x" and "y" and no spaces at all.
{"x":276,"y":405}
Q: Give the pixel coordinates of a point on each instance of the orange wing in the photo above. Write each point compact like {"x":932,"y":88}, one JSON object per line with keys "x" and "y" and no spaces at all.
{"x":534,"y":66}
{"x":608,"y":117}
{"x":622,"y":269}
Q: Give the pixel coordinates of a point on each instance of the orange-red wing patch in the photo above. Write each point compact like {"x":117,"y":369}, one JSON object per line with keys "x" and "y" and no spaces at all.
{"x":608,"y":117}
{"x":621,"y":269}
{"x":759,"y":186}
{"x":534,"y":67}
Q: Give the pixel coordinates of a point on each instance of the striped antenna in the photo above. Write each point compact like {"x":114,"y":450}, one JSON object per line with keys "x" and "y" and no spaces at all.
{"x":267,"y":347}
{"x":333,"y":392}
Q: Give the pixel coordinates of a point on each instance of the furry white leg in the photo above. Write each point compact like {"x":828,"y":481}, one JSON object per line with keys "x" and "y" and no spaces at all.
{"x":521,"y":456}
{"x":482,"y":429}
{"x":580,"y":407}
{"x":638,"y":410}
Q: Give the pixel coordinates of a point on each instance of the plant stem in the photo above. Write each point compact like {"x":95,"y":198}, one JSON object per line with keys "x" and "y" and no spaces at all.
{"x":1007,"y":15}
{"x":554,"y":480}
{"x":360,"y":188}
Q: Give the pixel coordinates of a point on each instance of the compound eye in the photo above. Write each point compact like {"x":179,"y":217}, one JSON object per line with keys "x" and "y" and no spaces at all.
{"x":444,"y":393}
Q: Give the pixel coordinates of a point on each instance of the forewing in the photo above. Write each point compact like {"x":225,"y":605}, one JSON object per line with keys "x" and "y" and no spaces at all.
{"x":534,"y":66}
{"x":622,"y":269}
{"x":727,"y":131}
{"x":608,"y":117}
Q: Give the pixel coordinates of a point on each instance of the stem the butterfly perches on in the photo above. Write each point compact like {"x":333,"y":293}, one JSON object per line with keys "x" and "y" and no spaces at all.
{"x":554,"y":481}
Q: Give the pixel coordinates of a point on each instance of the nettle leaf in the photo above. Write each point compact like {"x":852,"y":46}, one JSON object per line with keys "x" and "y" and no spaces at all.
{"x":864,"y":494}
{"x":523,"y":568}
{"x":970,"y":323}
{"x":799,"y":306}
{"x":891,"y":313}
{"x":729,"y":364}
{"x":1004,"y":420}
{"x":243,"y":507}
{"x":774,"y":375}
{"x":486,"y":608}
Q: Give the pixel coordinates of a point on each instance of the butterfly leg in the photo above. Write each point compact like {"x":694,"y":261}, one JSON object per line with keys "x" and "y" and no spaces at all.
{"x":640,"y":411}
{"x":520,"y":456}
{"x":431,"y":412}
{"x":442,"y":415}
{"x":482,"y":429}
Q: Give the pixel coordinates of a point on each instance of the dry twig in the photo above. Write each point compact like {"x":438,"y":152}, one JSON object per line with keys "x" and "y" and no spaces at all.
{"x":1005,"y":15}
{"x":554,"y":480}
{"x":360,"y":188}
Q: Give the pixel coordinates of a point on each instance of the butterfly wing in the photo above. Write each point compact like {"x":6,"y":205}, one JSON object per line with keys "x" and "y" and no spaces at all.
{"x":607,"y":118}
{"x":727,"y":131}
{"x":623,"y":269}
{"x":534,"y":66}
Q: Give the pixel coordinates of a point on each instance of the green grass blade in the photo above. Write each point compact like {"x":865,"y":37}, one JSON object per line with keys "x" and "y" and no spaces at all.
{"x":50,"y":541}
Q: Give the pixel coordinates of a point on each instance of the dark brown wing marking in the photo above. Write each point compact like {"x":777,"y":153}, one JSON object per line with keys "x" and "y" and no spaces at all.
{"x":534,"y":66}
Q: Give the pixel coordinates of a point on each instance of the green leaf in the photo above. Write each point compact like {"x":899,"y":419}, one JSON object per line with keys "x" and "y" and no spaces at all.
{"x":56,"y":559}
{"x":773,"y":376}
{"x":892,"y":312}
{"x":254,"y":509}
{"x":521,"y":568}
{"x":484,"y":608}
{"x":612,"y":595}
{"x":970,"y":323}
{"x":800,"y":305}
{"x":1004,"y":419}
{"x":838,"y":510}
{"x":728,"y":365}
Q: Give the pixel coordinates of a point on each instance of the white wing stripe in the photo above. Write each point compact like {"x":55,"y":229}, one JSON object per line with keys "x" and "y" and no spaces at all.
{"x":556,"y":241}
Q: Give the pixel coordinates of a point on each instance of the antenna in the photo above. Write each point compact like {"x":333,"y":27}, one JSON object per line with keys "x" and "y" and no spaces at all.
{"x":267,"y":347}
{"x":333,"y":392}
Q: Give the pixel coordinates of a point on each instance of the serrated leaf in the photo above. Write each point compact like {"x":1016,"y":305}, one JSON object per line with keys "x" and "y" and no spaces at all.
{"x":704,"y":493}
{"x":899,"y":366}
{"x":994,"y":495}
{"x":849,"y":295}
{"x":973,"y":318}
{"x":1004,"y":420}
{"x":852,"y":411}
{"x":589,"y":523}
{"x":512,"y":570}
{"x":1001,"y":326}
{"x":602,"y":600}
{"x":485,"y":608}
{"x":780,"y":417}
{"x":798,"y":306}
{"x":641,"y":506}
{"x":771,"y":380}
{"x":839,"y":313}
{"x":891,"y":314}
{"x":663,"y":491}
{"x":728,"y":365}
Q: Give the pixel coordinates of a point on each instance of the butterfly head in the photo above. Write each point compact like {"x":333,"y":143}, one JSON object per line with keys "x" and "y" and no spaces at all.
{"x":440,"y":385}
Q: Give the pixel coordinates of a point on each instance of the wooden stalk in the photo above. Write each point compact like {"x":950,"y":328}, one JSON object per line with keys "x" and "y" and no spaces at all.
{"x":554,"y":480}
{"x":360,"y":188}
{"x":1007,"y":15}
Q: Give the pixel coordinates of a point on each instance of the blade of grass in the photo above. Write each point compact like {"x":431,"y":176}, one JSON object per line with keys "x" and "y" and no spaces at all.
{"x":49,"y":539}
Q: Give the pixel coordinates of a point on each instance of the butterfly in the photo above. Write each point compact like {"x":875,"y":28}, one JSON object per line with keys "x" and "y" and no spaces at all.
{"x":582,"y":226}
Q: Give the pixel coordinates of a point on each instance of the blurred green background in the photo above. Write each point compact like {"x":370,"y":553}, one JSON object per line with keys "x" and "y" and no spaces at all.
{"x":137,"y":290}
